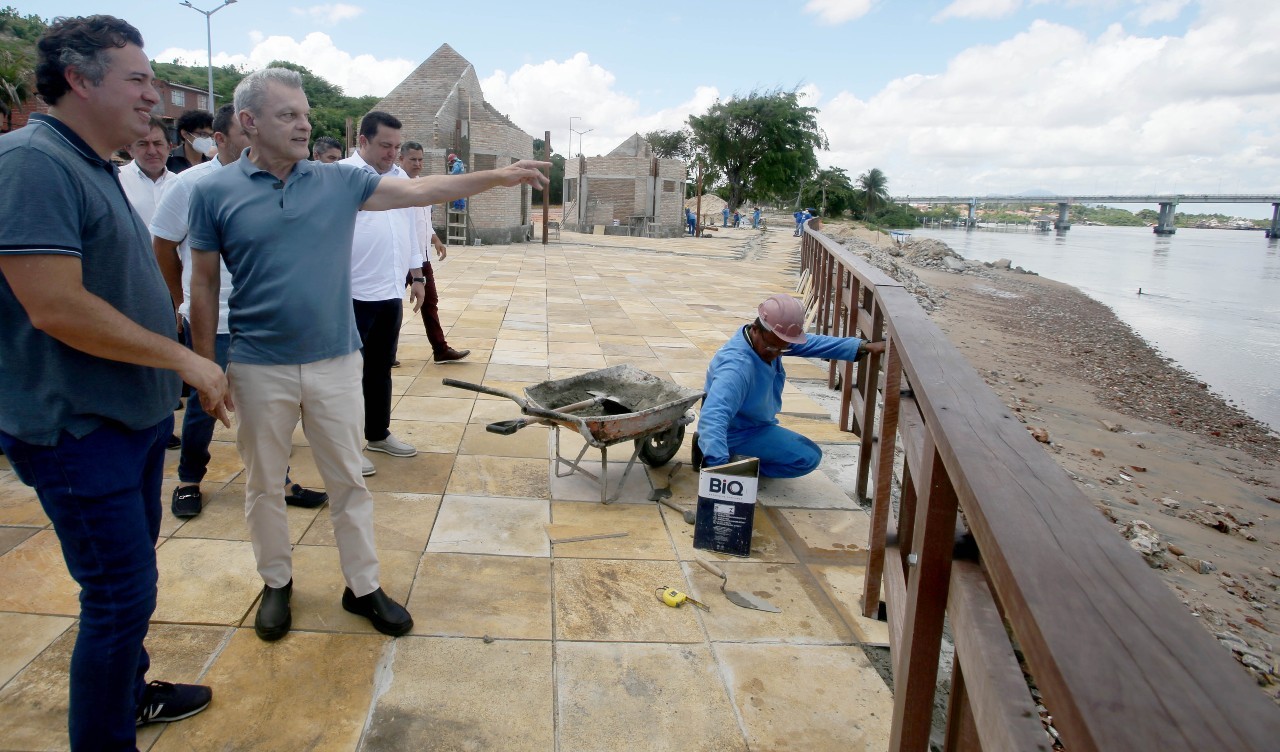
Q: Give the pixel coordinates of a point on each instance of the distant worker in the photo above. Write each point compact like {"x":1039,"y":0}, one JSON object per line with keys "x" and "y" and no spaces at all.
{"x":755,"y":218}
{"x":690,"y":220}
{"x":457,"y":167}
{"x":326,"y":150}
{"x":737,"y":218}
{"x":724,"y":216}
{"x":744,"y":391}
{"x":799,"y":215}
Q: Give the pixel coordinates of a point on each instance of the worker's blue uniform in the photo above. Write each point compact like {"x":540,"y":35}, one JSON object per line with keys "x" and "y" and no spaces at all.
{"x":744,"y":396}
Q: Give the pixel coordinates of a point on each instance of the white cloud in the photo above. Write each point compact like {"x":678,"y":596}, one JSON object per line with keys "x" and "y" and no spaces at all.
{"x":836,"y":12}
{"x":978,"y":9}
{"x":1053,"y":108}
{"x":358,"y":75}
{"x":1156,"y":11}
{"x":540,"y":97}
{"x":330,"y":14}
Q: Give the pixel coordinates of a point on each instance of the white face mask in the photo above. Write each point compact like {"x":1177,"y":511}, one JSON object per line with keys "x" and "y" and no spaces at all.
{"x":202,"y":144}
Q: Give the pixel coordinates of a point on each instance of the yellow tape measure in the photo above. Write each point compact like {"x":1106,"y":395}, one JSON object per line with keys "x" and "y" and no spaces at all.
{"x":674,"y":598}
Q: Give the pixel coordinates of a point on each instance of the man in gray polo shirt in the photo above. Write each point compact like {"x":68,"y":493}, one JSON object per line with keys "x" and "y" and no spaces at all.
{"x":87,"y":360}
{"x":284,"y":225}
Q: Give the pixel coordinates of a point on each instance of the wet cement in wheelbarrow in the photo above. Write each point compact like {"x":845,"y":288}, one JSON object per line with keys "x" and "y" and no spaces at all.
{"x":639,"y":393}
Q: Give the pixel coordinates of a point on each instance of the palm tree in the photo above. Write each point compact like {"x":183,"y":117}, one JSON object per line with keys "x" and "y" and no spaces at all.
{"x":875,"y":187}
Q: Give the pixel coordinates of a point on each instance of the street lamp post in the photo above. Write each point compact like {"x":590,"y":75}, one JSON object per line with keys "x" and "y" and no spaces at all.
{"x":208,"y":30}
{"x":569,"y":140}
{"x":580,"y":138}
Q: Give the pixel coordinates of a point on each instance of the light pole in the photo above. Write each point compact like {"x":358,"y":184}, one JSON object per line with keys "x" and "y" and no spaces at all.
{"x":580,"y":138}
{"x":208,"y":30}
{"x":570,"y":139}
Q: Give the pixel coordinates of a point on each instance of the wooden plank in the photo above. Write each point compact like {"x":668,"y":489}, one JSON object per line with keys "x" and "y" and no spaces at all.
{"x":997,"y":692}
{"x":883,"y":473}
{"x":895,"y":598}
{"x":868,"y":381}
{"x":1120,"y":661}
{"x":928,"y":580}
{"x":962,"y":731}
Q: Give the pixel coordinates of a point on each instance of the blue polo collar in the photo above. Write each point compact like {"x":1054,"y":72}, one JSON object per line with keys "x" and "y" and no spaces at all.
{"x":72,"y":138}
{"x":301,"y":167}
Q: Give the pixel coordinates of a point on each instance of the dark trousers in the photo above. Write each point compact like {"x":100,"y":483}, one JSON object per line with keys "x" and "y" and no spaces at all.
{"x":198,"y":425}
{"x":378,"y":322}
{"x":431,"y":313}
{"x":102,"y":493}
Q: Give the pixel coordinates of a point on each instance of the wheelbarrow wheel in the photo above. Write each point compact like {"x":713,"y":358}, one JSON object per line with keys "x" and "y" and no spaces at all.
{"x":658,"y":449}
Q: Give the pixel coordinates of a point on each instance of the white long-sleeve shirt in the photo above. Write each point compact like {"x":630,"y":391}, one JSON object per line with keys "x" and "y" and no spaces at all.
{"x":143,"y":192}
{"x":385,"y":246}
{"x":170,"y":223}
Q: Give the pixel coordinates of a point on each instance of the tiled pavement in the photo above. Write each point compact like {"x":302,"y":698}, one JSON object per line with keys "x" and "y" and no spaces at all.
{"x":518,"y":644}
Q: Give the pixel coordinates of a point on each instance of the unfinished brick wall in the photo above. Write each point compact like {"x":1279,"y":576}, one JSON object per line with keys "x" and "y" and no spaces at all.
{"x":626,"y":186}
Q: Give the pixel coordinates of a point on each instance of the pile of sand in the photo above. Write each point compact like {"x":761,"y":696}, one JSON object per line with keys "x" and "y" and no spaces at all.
{"x":711,"y":204}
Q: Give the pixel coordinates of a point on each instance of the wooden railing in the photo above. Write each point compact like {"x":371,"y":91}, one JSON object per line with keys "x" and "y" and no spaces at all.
{"x":1121,"y":665}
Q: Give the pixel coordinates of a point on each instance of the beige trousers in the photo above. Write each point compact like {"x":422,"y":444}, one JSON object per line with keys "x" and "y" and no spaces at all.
{"x":268,"y":401}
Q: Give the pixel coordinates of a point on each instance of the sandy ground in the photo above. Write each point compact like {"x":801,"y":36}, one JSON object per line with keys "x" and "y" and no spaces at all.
{"x":1144,"y":441}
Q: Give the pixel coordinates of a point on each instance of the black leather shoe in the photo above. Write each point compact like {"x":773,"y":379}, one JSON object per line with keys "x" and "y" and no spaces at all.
{"x":274,"y":617}
{"x":174,"y":442}
{"x":305,"y":497}
{"x":187,"y":502}
{"x":388,"y":617}
{"x":450,"y":355}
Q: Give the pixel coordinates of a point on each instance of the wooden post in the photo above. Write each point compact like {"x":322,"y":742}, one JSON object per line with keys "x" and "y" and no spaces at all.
{"x":697,"y":219}
{"x":546,"y":192}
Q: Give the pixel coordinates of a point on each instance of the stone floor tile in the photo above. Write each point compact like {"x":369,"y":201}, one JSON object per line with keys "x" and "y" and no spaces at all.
{"x":205,"y":581}
{"x":509,"y":327}
{"x":318,"y":586}
{"x":428,"y":436}
{"x":520,"y":344}
{"x":491,"y":410}
{"x":223,"y":517}
{"x":401,"y":522}
{"x":767,"y":543}
{"x":613,"y":349}
{"x":658,"y":698}
{"x":488,"y":525}
{"x":616,"y":601}
{"x":471,"y":369}
{"x":507,"y":385}
{"x":842,"y":703}
{"x":480,"y":475}
{"x":800,"y":369}
{"x":425,"y":473}
{"x":844,"y":584}
{"x":519,"y":359}
{"x":529,"y":442}
{"x":36,"y":580}
{"x":575,"y":486}
{"x":307,"y":691}
{"x":577,"y":348}
{"x":507,"y":372}
{"x":12,"y":536}
{"x":434,"y":409}
{"x":649,"y":365}
{"x":812,"y":491}
{"x":502,"y":699}
{"x":646,"y":534}
{"x":797,"y":404}
{"x":577,"y":360}
{"x":400,"y":382}
{"x":33,"y":707}
{"x":473,"y":595}
{"x":606,"y":338}
{"x":838,"y":535}
{"x":432,"y":385}
{"x":806,"y":614}
{"x":822,"y":430}
{"x":25,"y":636}
{"x":18,"y":503}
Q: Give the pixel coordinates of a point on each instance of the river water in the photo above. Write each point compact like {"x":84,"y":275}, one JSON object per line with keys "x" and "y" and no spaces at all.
{"x":1210,"y":298}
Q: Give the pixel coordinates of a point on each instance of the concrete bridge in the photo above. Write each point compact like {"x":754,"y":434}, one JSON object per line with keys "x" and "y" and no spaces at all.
{"x":1168,"y":204}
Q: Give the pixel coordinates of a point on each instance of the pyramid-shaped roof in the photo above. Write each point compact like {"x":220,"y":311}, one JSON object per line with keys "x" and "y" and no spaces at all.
{"x":635,"y":146}
{"x":422,"y":93}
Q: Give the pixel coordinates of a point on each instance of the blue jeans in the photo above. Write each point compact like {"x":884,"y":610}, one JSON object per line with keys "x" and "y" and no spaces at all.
{"x":783,"y":453}
{"x":198,"y":425}
{"x":102,"y":493}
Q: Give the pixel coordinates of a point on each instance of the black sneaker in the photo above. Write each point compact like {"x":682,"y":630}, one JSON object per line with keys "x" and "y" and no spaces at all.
{"x":305,"y":497}
{"x":174,"y":442}
{"x":163,"y":702}
{"x":187,"y":502}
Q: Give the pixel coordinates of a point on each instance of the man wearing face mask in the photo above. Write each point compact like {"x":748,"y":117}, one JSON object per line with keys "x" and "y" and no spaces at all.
{"x":744,"y":391}
{"x":195,"y":133}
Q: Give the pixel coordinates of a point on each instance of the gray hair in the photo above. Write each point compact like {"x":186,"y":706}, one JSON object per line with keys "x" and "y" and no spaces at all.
{"x":252,"y":89}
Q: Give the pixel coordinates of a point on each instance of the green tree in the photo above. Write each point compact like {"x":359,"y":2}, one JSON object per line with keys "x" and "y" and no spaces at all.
{"x":764,"y":142}
{"x":830,"y":191}
{"x":557,"y":174}
{"x":671,"y":144}
{"x":15,"y":83}
{"x":875,"y":189}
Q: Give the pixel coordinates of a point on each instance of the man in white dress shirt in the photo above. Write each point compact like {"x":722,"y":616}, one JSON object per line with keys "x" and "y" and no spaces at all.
{"x":385,"y":248}
{"x":145,"y":177}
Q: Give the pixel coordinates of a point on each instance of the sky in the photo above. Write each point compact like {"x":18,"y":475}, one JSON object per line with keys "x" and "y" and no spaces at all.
{"x":947,"y":97}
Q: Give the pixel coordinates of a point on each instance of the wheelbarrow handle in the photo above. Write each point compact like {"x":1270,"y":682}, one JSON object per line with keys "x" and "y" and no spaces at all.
{"x":486,"y":390}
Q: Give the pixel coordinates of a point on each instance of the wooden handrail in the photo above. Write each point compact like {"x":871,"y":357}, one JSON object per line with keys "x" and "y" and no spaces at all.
{"x":1120,"y":662}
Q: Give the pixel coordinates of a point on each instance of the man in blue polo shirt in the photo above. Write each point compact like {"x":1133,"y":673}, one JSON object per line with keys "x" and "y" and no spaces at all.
{"x":284,"y":226}
{"x":87,"y":359}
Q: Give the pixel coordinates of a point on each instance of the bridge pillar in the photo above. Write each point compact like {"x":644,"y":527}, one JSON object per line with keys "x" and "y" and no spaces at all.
{"x":1274,"y":232}
{"x":973,"y":215}
{"x":1164,"y":225}
{"x":1064,"y":220}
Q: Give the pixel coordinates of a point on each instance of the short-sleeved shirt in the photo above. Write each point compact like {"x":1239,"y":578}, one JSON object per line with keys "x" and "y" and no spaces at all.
{"x":170,"y":222}
{"x":288,"y":247}
{"x":58,"y":197}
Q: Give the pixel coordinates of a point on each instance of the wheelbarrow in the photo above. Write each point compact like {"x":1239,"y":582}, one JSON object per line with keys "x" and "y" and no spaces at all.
{"x":657,"y":412}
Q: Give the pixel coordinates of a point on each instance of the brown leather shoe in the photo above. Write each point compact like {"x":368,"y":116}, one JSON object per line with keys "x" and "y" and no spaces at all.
{"x":450,"y":355}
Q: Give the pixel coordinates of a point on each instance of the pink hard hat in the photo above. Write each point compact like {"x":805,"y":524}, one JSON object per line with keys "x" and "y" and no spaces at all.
{"x":453,"y":157}
{"x":784,"y":316}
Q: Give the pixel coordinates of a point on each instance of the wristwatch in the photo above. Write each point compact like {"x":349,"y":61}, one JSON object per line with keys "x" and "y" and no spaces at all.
{"x":423,"y":280}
